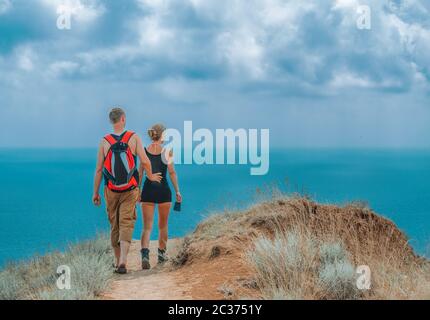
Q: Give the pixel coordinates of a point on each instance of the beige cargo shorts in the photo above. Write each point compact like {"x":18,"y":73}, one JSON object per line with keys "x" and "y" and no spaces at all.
{"x":121,"y":210}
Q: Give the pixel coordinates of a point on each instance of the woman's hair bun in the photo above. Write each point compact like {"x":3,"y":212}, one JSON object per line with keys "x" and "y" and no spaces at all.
{"x":156,"y":131}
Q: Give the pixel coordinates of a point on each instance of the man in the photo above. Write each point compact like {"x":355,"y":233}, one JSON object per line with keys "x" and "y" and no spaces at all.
{"x":116,"y":161}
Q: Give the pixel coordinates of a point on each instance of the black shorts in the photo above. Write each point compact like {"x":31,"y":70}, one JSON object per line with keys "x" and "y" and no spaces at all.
{"x":155,"y":192}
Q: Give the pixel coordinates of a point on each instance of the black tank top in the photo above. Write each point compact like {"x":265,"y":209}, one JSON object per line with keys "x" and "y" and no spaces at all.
{"x":158,"y":166}
{"x":152,"y":191}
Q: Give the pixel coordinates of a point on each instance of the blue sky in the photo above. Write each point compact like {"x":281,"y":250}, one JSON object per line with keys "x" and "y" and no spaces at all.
{"x":300,"y":68}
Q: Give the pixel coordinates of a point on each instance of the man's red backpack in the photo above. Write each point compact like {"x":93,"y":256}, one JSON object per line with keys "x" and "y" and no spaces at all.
{"x":119,"y":167}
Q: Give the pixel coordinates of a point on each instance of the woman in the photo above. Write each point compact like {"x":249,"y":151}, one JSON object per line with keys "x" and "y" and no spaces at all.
{"x":157,"y":194}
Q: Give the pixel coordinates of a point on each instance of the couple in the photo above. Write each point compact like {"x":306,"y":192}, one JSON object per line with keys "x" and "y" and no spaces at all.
{"x":117,"y":163}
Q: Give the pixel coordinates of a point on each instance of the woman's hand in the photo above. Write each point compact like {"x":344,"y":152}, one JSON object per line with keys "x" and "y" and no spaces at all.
{"x":178,"y":197}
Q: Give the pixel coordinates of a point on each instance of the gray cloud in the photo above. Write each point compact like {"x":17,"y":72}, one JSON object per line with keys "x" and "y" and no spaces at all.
{"x":313,"y":44}
{"x":240,"y":58}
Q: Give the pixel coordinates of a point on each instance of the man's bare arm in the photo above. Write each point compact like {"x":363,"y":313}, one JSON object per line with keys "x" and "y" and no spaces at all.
{"x":144,"y":161}
{"x":98,"y":175}
{"x":141,"y":171}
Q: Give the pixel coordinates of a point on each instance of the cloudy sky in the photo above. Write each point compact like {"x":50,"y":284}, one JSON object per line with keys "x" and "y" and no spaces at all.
{"x":300,"y":68}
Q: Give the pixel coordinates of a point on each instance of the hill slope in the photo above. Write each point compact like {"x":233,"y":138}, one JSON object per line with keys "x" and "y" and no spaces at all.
{"x":288,"y":248}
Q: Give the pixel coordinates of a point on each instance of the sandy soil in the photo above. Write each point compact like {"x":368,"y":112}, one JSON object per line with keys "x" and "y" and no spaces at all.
{"x":219,"y":278}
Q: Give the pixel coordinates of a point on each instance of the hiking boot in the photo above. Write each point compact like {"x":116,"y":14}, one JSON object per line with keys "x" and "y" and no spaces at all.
{"x":162,"y":256}
{"x":145,"y":259}
{"x":121,"y":269}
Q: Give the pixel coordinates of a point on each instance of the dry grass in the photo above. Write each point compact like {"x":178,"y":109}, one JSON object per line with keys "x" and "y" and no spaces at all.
{"x":292,"y":247}
{"x":298,"y":249}
{"x":90,"y":266}
{"x":297,"y":266}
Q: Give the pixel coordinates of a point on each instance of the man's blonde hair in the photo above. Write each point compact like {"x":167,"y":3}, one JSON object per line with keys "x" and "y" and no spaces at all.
{"x":115,"y":115}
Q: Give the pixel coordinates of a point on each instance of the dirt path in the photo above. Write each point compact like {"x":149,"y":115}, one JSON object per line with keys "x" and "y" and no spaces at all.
{"x":157,"y":283}
{"x":200,"y":280}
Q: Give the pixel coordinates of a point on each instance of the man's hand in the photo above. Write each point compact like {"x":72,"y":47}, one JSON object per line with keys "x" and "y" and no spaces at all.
{"x":139,"y":197}
{"x":144,"y":160}
{"x":156,"y":177}
{"x":178,"y":197}
{"x":97,"y":200}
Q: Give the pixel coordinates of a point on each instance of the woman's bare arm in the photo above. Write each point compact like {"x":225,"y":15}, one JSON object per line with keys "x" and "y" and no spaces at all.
{"x":174,"y":177}
{"x":144,"y":161}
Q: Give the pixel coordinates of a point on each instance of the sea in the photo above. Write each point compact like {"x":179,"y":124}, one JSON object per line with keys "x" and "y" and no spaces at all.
{"x":45,"y":202}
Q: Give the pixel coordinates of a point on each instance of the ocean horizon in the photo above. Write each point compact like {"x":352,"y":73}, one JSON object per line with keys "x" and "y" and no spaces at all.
{"x":46,"y":193}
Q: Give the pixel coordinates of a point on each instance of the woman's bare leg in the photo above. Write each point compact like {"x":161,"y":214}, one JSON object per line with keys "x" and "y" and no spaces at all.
{"x":148,"y":220}
{"x":163,"y":217}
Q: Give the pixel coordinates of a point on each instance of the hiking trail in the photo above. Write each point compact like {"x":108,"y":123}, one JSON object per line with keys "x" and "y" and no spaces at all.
{"x":199,"y":280}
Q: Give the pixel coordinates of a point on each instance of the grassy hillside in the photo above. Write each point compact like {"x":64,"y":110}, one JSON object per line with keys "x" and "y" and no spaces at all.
{"x":90,"y":269}
{"x":298,"y":249}
{"x":285,"y":248}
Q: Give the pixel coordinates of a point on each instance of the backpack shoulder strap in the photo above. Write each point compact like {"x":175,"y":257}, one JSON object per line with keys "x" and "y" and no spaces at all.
{"x":109,"y":138}
{"x":127,"y":136}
